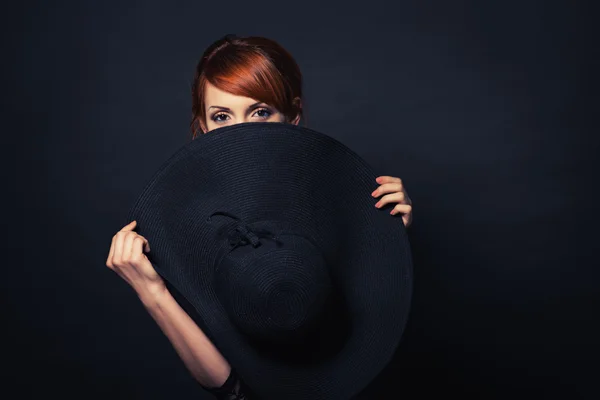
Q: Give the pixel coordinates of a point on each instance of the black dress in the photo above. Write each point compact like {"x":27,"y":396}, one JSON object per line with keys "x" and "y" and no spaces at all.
{"x":235,"y":389}
{"x":232,"y":389}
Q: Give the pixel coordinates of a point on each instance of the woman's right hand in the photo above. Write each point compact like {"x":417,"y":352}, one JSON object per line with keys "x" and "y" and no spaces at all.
{"x":126,"y":257}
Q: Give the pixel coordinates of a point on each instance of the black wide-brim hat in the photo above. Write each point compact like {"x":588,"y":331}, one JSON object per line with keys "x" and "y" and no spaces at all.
{"x":269,"y":235}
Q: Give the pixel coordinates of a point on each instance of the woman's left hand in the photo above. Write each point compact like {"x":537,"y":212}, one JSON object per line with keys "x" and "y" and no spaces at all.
{"x":397,"y":194}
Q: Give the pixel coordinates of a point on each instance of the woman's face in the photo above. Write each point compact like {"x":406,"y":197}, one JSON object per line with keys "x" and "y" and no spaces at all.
{"x":223,"y":108}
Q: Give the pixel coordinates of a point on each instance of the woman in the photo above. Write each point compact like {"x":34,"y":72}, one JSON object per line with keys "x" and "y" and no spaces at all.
{"x":237,"y":80}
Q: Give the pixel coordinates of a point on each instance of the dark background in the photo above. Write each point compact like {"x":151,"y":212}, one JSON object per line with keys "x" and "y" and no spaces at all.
{"x":486,"y":110}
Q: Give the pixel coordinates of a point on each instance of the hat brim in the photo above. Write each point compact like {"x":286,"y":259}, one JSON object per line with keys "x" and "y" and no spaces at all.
{"x":307,"y":180}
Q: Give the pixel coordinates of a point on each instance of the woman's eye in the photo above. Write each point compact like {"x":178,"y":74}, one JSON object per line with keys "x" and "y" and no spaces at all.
{"x":263,"y":113}
{"x":219,"y":117}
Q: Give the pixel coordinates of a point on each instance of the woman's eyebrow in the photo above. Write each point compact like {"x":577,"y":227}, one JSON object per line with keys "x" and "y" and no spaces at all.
{"x":255,"y":105}
{"x":219,"y":107}
{"x":228,"y":109}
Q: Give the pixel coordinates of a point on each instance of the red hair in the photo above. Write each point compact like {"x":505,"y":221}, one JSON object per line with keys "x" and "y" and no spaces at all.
{"x":254,"y":67}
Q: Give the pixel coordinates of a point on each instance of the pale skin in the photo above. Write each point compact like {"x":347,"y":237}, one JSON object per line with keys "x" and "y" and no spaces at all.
{"x":127,"y":255}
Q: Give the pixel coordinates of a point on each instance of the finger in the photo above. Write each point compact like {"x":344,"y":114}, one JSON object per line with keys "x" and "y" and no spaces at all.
{"x":387,"y":188}
{"x":391,"y":198}
{"x":111,"y":252}
{"x":129,"y":227}
{"x":401,"y":208}
{"x":407,"y":218}
{"x":146,"y":244}
{"x":137,"y":247}
{"x":388,"y":179}
{"x":118,"y":254}
{"x":128,"y":245}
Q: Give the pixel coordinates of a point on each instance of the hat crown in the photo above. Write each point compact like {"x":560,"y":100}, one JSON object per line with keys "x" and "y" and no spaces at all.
{"x":276,"y":289}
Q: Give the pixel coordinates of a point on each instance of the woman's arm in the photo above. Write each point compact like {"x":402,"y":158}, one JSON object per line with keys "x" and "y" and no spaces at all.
{"x":126,"y":257}
{"x":206,"y":364}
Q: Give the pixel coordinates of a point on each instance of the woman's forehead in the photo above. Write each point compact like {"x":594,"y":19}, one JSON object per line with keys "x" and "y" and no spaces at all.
{"x":214,"y":96}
